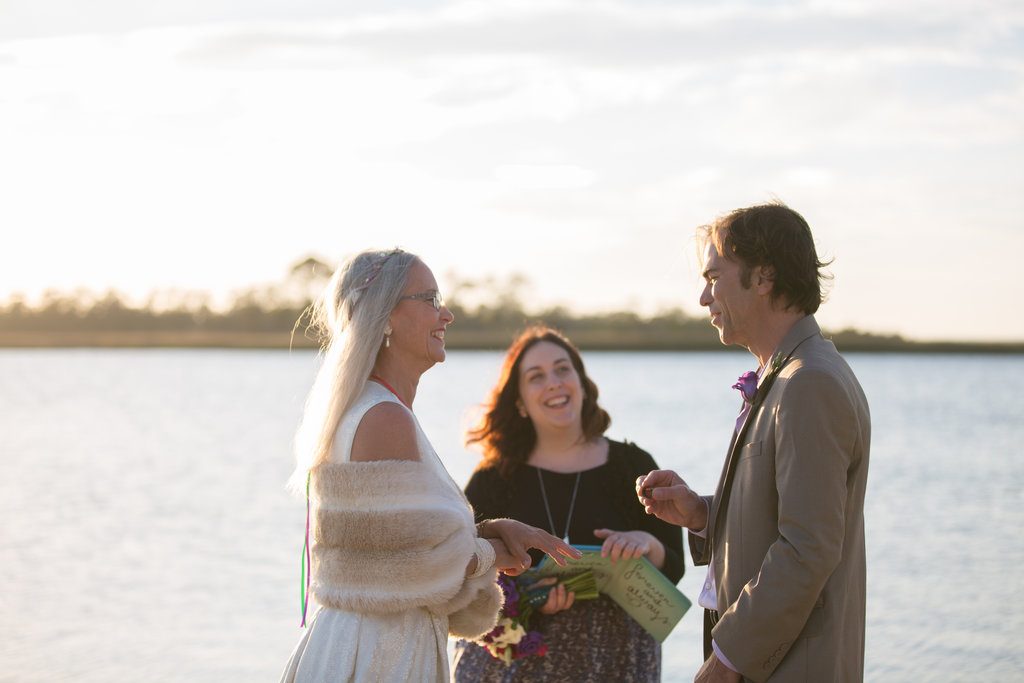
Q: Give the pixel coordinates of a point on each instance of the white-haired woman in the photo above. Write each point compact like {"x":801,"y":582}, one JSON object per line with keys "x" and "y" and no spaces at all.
{"x":397,"y":563}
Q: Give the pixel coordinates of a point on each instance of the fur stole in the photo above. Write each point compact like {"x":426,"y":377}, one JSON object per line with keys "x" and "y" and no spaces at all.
{"x":391,"y":535}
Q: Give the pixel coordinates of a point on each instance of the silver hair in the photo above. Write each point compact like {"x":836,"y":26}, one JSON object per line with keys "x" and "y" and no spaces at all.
{"x":351,"y":315}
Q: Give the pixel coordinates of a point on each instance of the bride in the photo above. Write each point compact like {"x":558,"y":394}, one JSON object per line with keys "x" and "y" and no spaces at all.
{"x":396,"y":561}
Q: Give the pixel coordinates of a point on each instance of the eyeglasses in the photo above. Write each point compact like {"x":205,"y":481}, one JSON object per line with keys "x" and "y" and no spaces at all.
{"x":433,"y":298}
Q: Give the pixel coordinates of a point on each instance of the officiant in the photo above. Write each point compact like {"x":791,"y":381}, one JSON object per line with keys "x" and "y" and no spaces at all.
{"x":547,"y":463}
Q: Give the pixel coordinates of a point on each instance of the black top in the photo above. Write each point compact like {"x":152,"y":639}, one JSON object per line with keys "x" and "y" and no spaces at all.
{"x":606,"y":499}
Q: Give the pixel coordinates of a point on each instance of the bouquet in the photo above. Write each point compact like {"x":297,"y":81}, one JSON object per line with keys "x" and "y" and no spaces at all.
{"x":512,"y":637}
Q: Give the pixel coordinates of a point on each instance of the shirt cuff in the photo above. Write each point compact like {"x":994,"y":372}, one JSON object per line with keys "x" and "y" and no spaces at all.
{"x":722,"y":658}
{"x":703,"y":533}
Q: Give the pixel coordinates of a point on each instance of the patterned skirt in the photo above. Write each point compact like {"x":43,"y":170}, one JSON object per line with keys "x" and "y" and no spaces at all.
{"x":594,"y":640}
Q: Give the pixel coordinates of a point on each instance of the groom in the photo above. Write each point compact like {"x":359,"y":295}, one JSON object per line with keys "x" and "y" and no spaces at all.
{"x":784,"y":533}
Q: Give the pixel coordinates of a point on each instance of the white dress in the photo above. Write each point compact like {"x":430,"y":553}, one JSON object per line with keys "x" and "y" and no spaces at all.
{"x":350,"y":646}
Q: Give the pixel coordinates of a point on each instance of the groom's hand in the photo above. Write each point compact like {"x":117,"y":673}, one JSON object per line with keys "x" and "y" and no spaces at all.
{"x":714,"y":671}
{"x":505,"y":561}
{"x":663,"y":493}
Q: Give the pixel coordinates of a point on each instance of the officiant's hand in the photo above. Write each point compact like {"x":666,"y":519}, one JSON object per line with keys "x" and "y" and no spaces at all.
{"x":559,"y":599}
{"x":625,"y":545}
{"x":519,"y":538}
{"x":663,"y":493}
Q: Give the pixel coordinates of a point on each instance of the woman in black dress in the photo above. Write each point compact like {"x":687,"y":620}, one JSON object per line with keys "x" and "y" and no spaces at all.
{"x":547,"y":463}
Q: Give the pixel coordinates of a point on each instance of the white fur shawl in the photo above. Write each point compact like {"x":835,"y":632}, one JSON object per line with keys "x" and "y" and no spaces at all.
{"x":391,"y":535}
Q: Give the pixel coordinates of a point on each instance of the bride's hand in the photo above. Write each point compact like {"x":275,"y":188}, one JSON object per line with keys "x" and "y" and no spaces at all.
{"x":519,"y":538}
{"x":506,"y":562}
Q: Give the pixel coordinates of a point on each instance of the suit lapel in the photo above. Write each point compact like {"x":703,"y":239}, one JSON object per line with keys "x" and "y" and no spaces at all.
{"x":725,"y":483}
{"x":804,"y":329}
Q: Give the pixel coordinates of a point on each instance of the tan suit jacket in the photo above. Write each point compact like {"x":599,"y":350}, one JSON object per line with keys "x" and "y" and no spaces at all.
{"x":786,"y":534}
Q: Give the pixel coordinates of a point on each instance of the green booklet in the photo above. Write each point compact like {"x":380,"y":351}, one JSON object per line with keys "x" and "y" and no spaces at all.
{"x":636,"y":585}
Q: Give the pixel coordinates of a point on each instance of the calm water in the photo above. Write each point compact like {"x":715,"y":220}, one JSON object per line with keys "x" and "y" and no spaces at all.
{"x":146,"y":535}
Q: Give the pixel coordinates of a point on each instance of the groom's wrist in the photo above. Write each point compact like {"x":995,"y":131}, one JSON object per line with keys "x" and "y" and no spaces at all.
{"x":701,"y":515}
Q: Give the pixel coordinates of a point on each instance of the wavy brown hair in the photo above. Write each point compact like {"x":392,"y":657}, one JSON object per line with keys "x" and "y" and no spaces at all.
{"x":778,"y":238}
{"x":508,"y":437}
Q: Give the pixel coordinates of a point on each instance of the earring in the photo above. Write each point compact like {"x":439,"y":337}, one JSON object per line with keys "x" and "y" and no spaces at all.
{"x":387,"y":338}
{"x":522,"y":410}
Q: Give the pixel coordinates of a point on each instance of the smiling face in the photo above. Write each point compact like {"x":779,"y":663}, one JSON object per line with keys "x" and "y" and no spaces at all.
{"x":418,"y":328}
{"x":549,"y":387}
{"x":735,"y":309}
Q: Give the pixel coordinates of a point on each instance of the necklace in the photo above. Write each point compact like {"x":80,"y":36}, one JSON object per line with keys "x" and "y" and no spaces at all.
{"x":547,"y":508}
{"x":380,"y":380}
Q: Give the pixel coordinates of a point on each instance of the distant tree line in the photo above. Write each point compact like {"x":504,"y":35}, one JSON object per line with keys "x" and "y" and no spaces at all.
{"x":488,"y":312}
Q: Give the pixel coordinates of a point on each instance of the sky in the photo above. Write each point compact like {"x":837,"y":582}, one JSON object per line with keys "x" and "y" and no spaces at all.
{"x":208,"y":145}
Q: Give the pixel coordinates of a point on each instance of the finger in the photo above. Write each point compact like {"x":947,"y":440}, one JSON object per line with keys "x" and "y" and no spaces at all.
{"x":640,"y":485}
{"x":556,"y":548}
{"x":554,"y":599}
{"x":659,"y":478}
{"x":624,"y":550}
{"x":603,"y":533}
{"x":549,"y":606}
{"x":566,"y":551}
{"x":516,"y":548}
{"x":566,"y":598}
{"x":616,"y":551}
{"x":570,"y":599}
{"x":660,"y":493}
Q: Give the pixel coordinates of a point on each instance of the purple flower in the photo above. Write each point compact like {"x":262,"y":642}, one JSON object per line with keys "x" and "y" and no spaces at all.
{"x":747,"y":384}
{"x":508,"y":587}
{"x":531,"y":644}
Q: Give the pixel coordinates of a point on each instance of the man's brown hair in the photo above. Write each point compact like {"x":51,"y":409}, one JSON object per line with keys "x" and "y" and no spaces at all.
{"x":778,"y":239}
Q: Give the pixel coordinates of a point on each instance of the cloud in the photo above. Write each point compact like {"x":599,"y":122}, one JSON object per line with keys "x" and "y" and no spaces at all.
{"x":817,"y":73}
{"x":492,"y":127}
{"x":546,"y":177}
{"x":630,"y":35}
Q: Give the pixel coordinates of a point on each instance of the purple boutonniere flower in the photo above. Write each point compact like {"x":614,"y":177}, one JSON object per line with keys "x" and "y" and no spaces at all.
{"x":747,"y":385}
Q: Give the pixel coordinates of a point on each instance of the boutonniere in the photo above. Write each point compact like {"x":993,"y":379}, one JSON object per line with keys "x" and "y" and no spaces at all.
{"x":747,"y":386}
{"x":747,"y":382}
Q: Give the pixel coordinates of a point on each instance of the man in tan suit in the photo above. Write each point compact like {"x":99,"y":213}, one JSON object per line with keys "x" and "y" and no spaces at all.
{"x":784,"y":533}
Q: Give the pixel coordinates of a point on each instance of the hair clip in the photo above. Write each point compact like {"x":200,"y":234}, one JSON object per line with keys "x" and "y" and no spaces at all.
{"x":376,"y":268}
